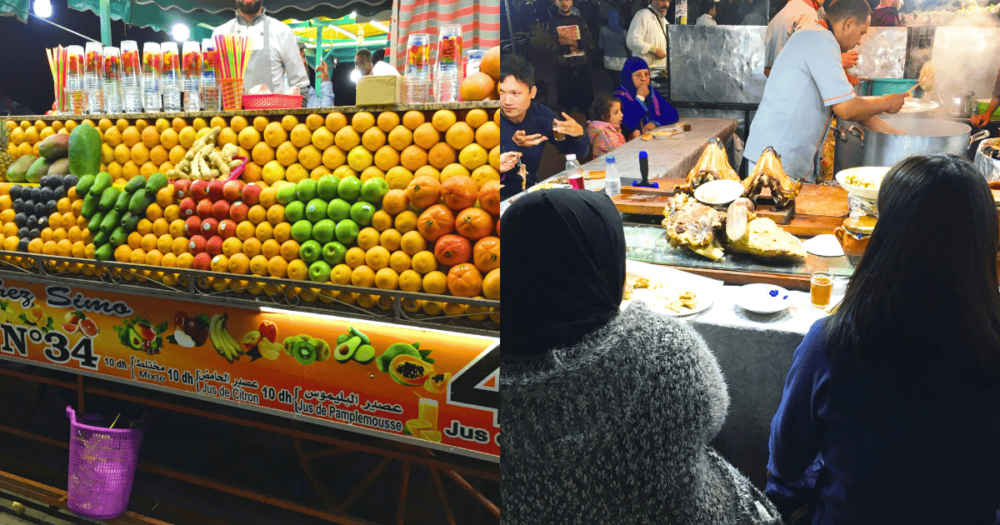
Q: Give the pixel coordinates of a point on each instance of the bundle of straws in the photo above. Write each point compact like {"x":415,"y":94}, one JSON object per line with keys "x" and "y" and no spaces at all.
{"x":234,"y":55}
{"x":58,"y":64}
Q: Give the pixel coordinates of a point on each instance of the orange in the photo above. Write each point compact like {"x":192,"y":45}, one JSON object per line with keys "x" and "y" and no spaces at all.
{"x":341,"y":274}
{"x":494,"y":157}
{"x":150,"y":137}
{"x":164,"y":243}
{"x":184,"y":260}
{"x":262,"y":153}
{"x":264,"y":231}
{"x":335,"y":121}
{"x":300,"y":135}
{"x":239,"y":263}
{"x":400,"y":137}
{"x":289,"y":121}
{"x":252,"y":173}
{"x":363,"y":276}
{"x":387,"y":120}
{"x":491,"y":63}
{"x":377,"y":258}
{"x":426,"y":136}
{"x":135,"y":240}
{"x":390,"y":239}
{"x":478,"y":86}
{"x":178,"y":124}
{"x":443,"y":119}
{"x":251,"y":247}
{"x":140,"y":153}
{"x":290,"y":250}
{"x":371,"y":172}
{"x":464,"y":280}
{"x":400,"y":261}
{"x":354,"y":257}
{"x":177,"y":154}
{"x":172,"y":212}
{"x":460,"y":135}
{"x":245,"y":230}
{"x":220,"y":263}
{"x":413,"y":157}
{"x":131,"y":136}
{"x":333,"y":157}
{"x":410,"y":281}
{"x":154,"y":257}
{"x":297,"y":270}
{"x":275,"y":135}
{"x":154,"y":212}
{"x":413,"y":119}
{"x":476,"y":117}
{"x":387,"y":279}
{"x":386,"y":157}
{"x":441,"y":155}
{"x":314,"y":121}
{"x":232,"y":246}
{"x":368,"y":238}
{"x":123,"y":154}
{"x":149,"y":242}
{"x":258,"y":265}
{"x":123,"y":253}
{"x":259,"y":123}
{"x":406,"y":221}
{"x":270,"y":249}
{"x":373,"y":139}
{"x":287,"y":154}
{"x":113,"y":137}
{"x":257,"y":214}
{"x":179,"y":246}
{"x":158,"y":154}
{"x":282,"y":232}
{"x":169,"y":260}
{"x":381,"y":220}
{"x":485,"y":174}
{"x":64,"y":248}
{"x":491,"y":285}
{"x":237,"y":123}
{"x":276,"y":214}
{"x":362,"y":120}
{"x":395,"y":201}
{"x":435,"y":282}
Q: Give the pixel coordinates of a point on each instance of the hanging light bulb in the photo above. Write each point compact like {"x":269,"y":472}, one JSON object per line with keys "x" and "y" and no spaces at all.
{"x":180,"y":32}
{"x":43,"y":8}
{"x":355,"y":76}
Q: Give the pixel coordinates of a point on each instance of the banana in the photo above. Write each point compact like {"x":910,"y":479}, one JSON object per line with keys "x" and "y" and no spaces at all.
{"x":225,"y":346}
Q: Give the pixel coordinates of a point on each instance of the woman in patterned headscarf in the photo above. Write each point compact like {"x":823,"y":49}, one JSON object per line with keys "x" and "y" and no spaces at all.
{"x":643,"y":108}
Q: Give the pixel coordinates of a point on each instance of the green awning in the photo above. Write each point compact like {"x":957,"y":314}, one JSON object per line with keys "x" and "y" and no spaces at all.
{"x":18,"y":8}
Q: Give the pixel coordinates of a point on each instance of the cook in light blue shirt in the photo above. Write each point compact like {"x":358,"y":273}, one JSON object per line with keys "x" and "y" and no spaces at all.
{"x":806,"y":82}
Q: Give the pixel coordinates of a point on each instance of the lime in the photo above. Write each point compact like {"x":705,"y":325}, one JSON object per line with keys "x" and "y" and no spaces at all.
{"x":349,"y":189}
{"x":315,"y":210}
{"x":301,"y":231}
{"x":338,"y":210}
{"x":295,"y":211}
{"x":347,"y":231}
{"x":305,"y":190}
{"x":326,"y":187}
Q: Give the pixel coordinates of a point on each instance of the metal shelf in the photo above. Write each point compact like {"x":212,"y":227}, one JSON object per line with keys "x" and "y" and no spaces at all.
{"x":196,"y":286}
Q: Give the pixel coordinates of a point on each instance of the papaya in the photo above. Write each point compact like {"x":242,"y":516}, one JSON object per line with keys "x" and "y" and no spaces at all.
{"x":157,"y":182}
{"x":38,"y":169}
{"x":390,"y":353}
{"x":55,"y":147}
{"x":437,"y":383}
{"x":84,"y":150}
{"x":84,"y":184}
{"x":102,"y":182}
{"x":18,"y":171}
{"x":59,"y":167}
{"x":409,"y":371}
{"x":135,"y":184}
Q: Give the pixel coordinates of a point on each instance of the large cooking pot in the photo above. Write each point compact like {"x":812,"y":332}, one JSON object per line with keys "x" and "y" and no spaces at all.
{"x":849,"y":151}
{"x":961,"y":104}
{"x":920,"y":136}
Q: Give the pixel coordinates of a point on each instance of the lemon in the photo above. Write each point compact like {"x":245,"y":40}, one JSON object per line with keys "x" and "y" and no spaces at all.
{"x":453,"y":170}
{"x":358,"y":159}
{"x":322,"y":138}
{"x":398,"y":178}
{"x":295,"y":173}
{"x":107,"y":153}
{"x":484,"y":174}
{"x":287,"y":154}
{"x":249,"y":137}
{"x":301,"y":135}
{"x":473,"y":156}
{"x":289,"y":122}
{"x":273,"y":172}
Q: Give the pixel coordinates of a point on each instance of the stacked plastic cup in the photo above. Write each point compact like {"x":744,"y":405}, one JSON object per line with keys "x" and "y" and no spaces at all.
{"x":92,"y":71}
{"x":74,"y":80}
{"x":448,"y":74}
{"x":211,"y":96}
{"x":170,"y":79}
{"x":191,"y":76}
{"x":131,"y":89}
{"x":418,"y":69}
{"x":111,"y":80}
{"x":152,"y":67}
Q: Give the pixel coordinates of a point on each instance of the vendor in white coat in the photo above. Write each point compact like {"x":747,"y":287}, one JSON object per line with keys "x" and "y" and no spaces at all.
{"x":647,"y":36}
{"x":281,"y":67}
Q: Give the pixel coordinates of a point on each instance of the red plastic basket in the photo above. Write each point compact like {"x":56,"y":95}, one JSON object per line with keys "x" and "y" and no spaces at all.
{"x":272,"y":101}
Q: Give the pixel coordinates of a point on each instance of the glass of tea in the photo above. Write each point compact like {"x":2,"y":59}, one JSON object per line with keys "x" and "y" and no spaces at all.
{"x":820,"y":289}
{"x":558,"y":135}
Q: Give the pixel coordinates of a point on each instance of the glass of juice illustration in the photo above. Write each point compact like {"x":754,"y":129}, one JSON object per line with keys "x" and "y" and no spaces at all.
{"x":428,"y":411}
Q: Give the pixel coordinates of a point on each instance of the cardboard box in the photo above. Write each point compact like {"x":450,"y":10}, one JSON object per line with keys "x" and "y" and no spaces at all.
{"x":373,"y":91}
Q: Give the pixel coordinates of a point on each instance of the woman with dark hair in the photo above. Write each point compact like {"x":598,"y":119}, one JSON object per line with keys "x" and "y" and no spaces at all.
{"x":891,"y":408}
{"x":606,"y":415}
{"x":643,"y":108}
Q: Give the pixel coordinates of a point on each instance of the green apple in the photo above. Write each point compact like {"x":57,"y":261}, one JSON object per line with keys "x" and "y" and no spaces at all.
{"x":326,"y":187}
{"x":349,"y":188}
{"x":361,"y":213}
{"x":338,"y":210}
{"x":285,"y":194}
{"x":301,"y":230}
{"x":295,"y":211}
{"x":347,"y":231}
{"x":374,"y":189}
{"x":334,"y":252}
{"x":305,"y":190}
{"x":310,"y":251}
{"x":315,"y":210}
{"x":319,"y":272}
{"x":322,"y":231}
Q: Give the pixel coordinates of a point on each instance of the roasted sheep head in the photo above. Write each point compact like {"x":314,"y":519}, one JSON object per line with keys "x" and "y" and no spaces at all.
{"x":768,"y":174}
{"x":692,"y":224}
{"x":713,"y":165}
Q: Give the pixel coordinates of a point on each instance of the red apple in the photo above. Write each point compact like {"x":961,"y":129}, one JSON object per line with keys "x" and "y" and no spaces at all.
{"x":268,"y":330}
{"x":251,"y":194}
{"x":197,"y":244}
{"x":199,"y":190}
{"x":202,"y":261}
{"x":192,"y":225}
{"x":188,"y":207}
{"x":210,"y":227}
{"x":220,"y":210}
{"x":214,"y":246}
{"x":182,"y":188}
{"x":231,"y":190}
{"x":204,"y":209}
{"x":227,"y":228}
{"x":239,"y":211}
{"x":215,"y":190}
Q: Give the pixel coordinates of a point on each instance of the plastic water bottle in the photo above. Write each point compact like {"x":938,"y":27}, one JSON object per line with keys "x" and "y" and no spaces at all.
{"x":573,"y":173}
{"x":612,"y":179}
{"x":211,"y":95}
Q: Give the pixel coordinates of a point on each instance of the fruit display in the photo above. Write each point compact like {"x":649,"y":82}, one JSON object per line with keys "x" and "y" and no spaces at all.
{"x":483,"y":85}
{"x":394,"y":201}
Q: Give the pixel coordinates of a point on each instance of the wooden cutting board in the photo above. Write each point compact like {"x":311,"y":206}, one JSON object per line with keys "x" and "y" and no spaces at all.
{"x":818,"y":209}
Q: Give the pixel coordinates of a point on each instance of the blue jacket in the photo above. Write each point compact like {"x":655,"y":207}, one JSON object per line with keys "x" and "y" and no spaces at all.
{"x":538,"y":119}
{"x":860,"y":449}
{"x":326,"y":89}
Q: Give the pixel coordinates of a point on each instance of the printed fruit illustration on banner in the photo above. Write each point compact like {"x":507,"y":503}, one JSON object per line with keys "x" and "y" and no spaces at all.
{"x":306,"y":349}
{"x":141,"y":335}
{"x":225,"y":344}
{"x":36,"y":317}
{"x":190,"y":331}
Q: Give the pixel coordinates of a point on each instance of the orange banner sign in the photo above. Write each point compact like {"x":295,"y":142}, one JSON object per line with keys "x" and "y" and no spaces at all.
{"x":434,"y":388}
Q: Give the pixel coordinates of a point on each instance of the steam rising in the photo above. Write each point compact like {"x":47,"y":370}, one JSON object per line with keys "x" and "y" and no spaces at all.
{"x":966,"y":60}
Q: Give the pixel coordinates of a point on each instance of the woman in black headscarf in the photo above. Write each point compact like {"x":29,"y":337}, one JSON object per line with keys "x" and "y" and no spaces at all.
{"x":606,"y":415}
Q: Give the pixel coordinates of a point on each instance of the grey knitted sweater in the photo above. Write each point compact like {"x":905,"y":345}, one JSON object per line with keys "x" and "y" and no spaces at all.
{"x":615,"y":430}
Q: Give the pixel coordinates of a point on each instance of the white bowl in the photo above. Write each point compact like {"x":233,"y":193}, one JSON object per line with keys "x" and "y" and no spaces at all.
{"x":719,"y":192}
{"x":864,"y":193}
{"x":763,"y":298}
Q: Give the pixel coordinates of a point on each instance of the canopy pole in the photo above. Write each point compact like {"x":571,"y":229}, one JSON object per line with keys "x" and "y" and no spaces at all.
{"x":106,"y":22}
{"x":393,"y":39}
{"x":319,"y":58}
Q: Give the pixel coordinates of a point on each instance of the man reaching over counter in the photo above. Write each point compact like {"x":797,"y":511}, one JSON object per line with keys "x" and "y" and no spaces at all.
{"x":981,"y":120}
{"x":809,"y":80}
{"x":794,"y":16}
{"x":525,"y":126}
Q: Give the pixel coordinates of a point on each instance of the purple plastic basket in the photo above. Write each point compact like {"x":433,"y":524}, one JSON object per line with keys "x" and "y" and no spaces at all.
{"x":102,"y":464}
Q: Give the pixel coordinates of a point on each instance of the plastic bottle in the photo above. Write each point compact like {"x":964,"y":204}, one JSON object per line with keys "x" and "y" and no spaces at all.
{"x":449,"y":63}
{"x":612,"y":179}
{"x":573,"y":173}
{"x":92,"y":77}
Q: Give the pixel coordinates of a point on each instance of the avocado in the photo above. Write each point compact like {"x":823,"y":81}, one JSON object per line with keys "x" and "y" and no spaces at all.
{"x":102,"y":238}
{"x":59,"y":167}
{"x":101,"y":183}
{"x":364,"y":354}
{"x":111,"y":221}
{"x":18,"y":171}
{"x":345,"y":350}
{"x":109,"y":198}
{"x":157,"y":182}
{"x":95,"y":221}
{"x":131,"y":222}
{"x":38,"y":169}
{"x":134,"y":340}
{"x":55,"y":147}
{"x":135,"y":184}
{"x":84,"y":184}
{"x":118,"y":237}
{"x":84,"y":150}
{"x":123,"y":199}
{"x":138,"y":204}
{"x":104,"y":253}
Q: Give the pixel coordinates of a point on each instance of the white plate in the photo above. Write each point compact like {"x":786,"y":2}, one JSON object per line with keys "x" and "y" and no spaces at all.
{"x":722,"y":191}
{"x":864,"y":193}
{"x":706,"y":288}
{"x":763,"y":298}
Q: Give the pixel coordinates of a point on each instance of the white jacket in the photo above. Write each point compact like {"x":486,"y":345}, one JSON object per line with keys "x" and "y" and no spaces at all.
{"x":645,"y":34}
